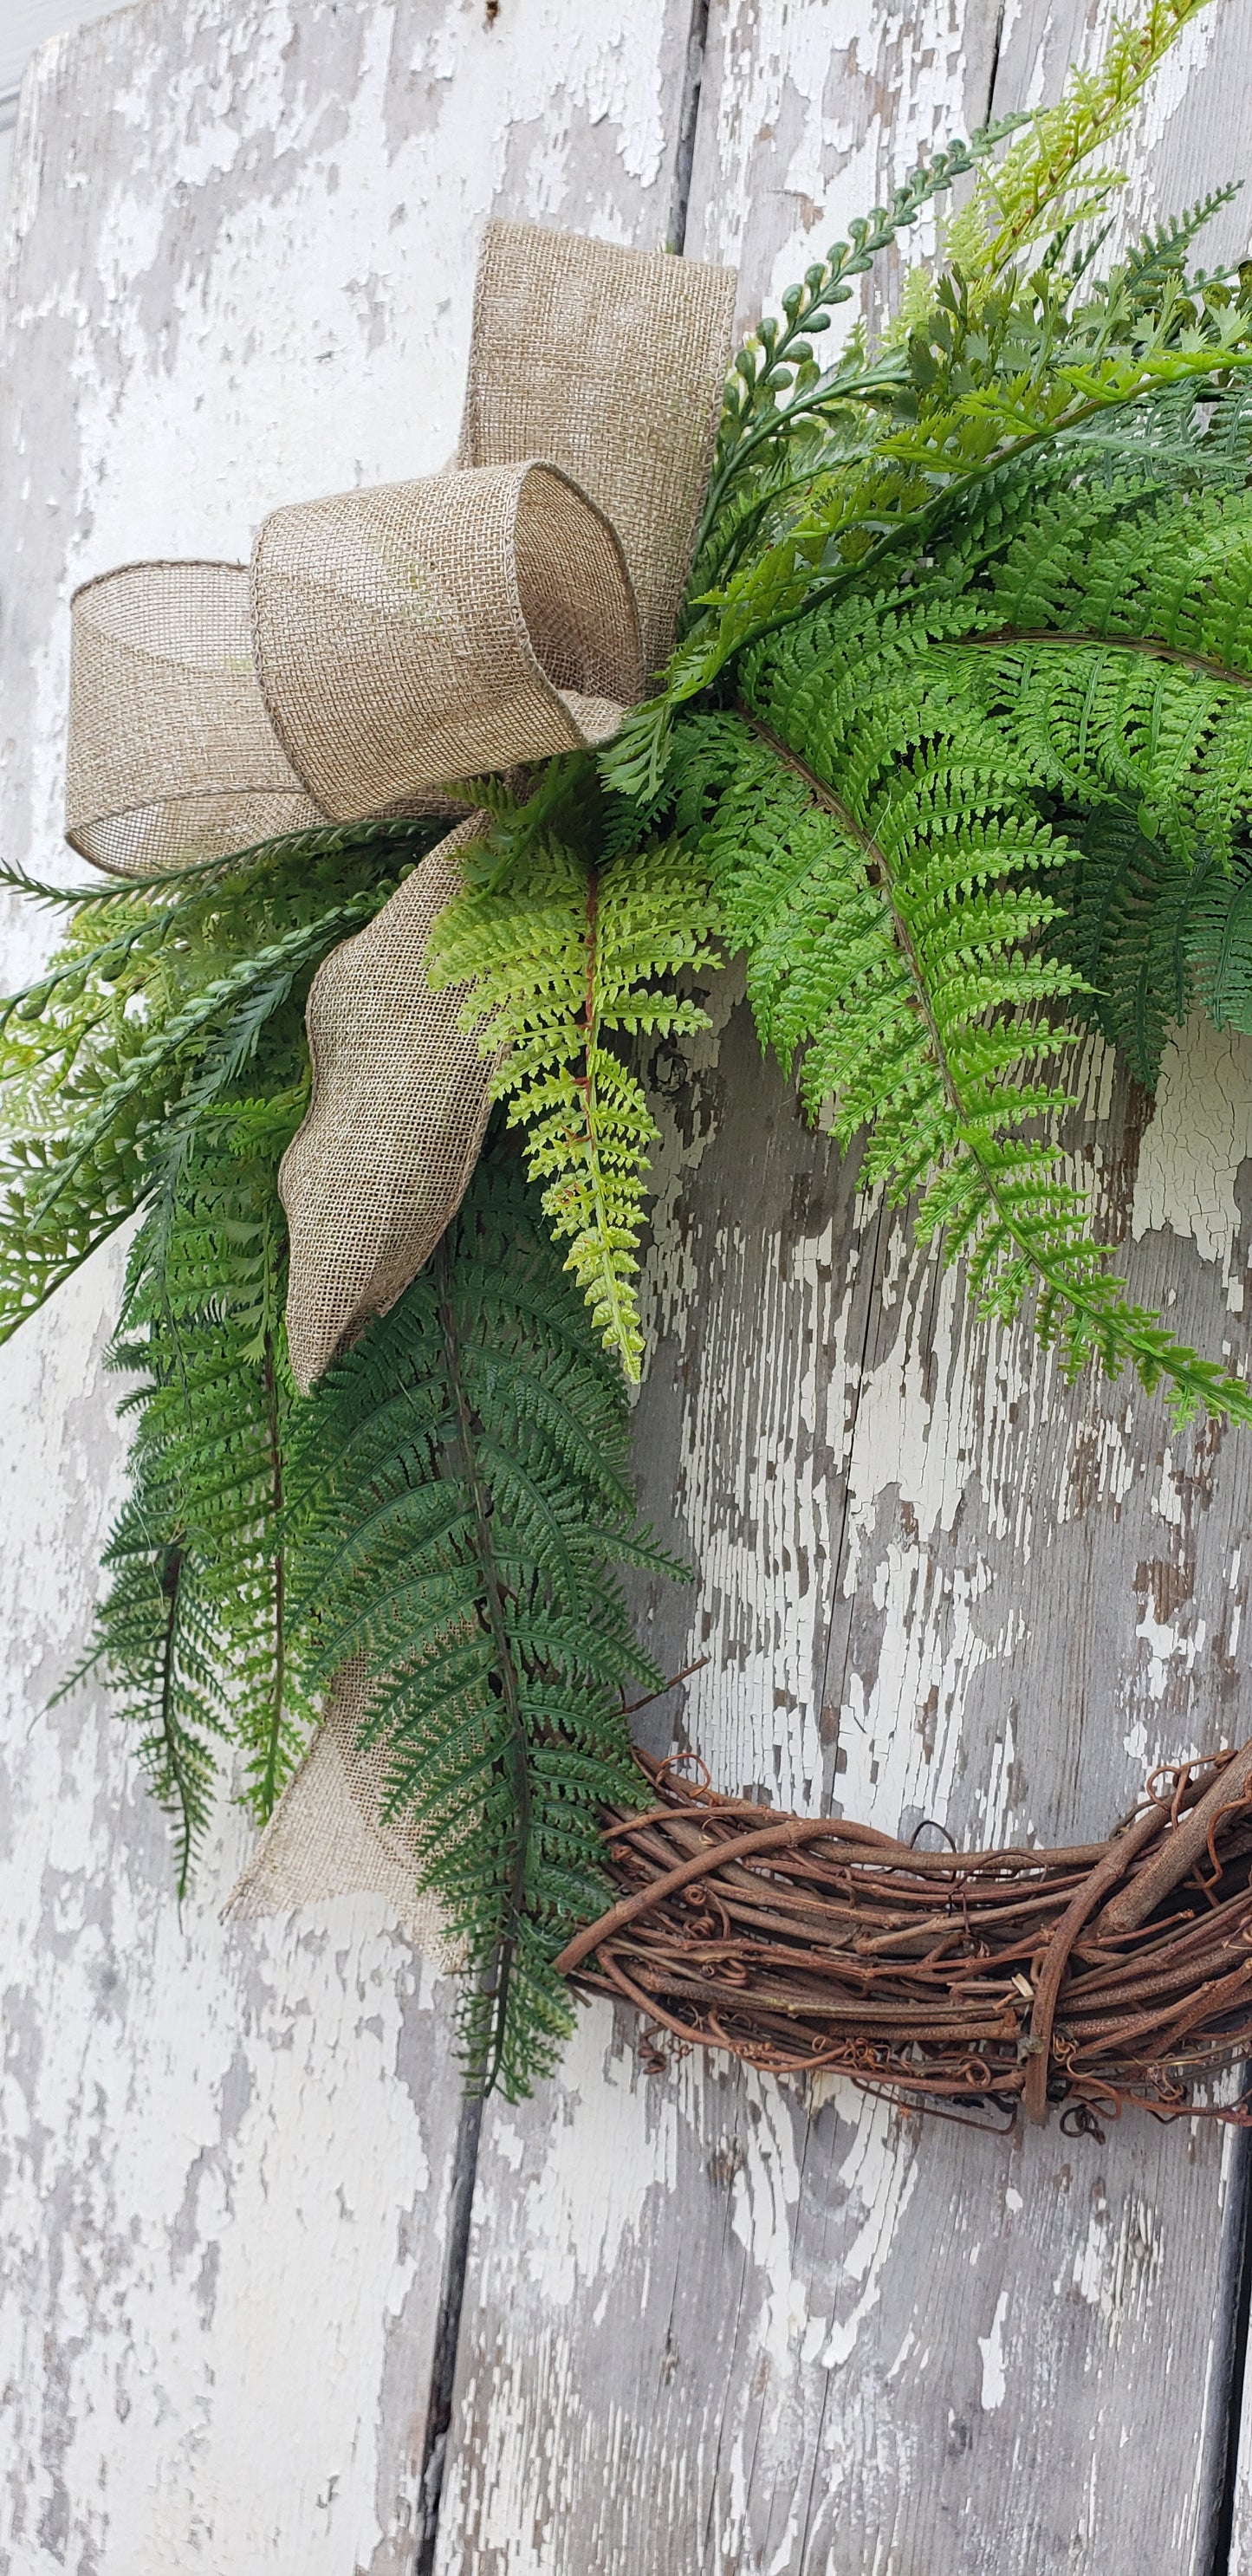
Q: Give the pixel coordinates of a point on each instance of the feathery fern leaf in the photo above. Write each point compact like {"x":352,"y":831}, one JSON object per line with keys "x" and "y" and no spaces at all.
{"x":1015,"y":202}
{"x":198,"y":974}
{"x":192,"y":1634}
{"x":156,"y":1646}
{"x":1219,"y":944}
{"x":565,"y":955}
{"x":890,"y":930}
{"x":460,"y":1493}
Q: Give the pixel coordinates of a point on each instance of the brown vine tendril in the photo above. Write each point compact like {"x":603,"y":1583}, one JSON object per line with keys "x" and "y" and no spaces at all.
{"x":1085,"y":1978}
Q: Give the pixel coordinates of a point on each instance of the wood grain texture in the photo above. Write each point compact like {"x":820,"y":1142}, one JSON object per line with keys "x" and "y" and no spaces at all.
{"x":242,"y":240}
{"x":810,"y":115}
{"x":711,"y":2326}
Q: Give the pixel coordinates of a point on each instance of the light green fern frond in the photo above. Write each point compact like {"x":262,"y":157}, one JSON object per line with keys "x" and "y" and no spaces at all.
{"x":1044,"y":178}
{"x":568,"y":956}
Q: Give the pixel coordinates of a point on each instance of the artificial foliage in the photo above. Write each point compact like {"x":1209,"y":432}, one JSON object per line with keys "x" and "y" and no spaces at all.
{"x":955,"y":746}
{"x":459,"y":1501}
{"x":569,"y":947}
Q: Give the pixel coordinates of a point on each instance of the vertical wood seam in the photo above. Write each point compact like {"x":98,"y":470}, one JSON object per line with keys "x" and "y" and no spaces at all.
{"x":447,"y":2334}
{"x":1233,"y":2302}
{"x":688,"y":121}
{"x":461,"y":2198}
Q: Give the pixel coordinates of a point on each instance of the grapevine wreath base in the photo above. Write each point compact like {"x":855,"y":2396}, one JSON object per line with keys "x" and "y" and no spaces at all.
{"x":1089,"y":1977}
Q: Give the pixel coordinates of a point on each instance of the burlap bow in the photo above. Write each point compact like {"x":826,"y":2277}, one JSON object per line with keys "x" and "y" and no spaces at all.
{"x":381,"y":644}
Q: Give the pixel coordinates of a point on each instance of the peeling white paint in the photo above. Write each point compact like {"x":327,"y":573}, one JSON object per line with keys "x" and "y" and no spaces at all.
{"x":991,"y":2346}
{"x":1195,"y":1147}
{"x":711,"y":2323}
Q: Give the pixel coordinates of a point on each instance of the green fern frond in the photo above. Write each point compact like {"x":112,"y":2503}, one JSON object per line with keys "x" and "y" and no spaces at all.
{"x":192,"y":1633}
{"x":1219,"y":944}
{"x":567,"y":955}
{"x":107,"y":1057}
{"x":156,"y":1647}
{"x":1159,"y":258}
{"x":778,"y":399}
{"x":891,"y":931}
{"x":460,"y":1489}
{"x":1125,"y":927}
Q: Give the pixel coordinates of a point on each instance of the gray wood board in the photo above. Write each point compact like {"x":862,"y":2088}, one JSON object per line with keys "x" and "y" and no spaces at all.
{"x":709,"y":2325}
{"x":241,"y":250}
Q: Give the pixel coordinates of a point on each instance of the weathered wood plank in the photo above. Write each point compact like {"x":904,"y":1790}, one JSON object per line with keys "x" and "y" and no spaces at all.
{"x":244,"y":238}
{"x":25,"y":24}
{"x":28,"y":23}
{"x":705,"y":2329}
{"x":808,"y":119}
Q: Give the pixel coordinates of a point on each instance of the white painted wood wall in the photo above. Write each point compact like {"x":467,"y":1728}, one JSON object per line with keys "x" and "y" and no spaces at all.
{"x":710,"y":2327}
{"x":23,"y":25}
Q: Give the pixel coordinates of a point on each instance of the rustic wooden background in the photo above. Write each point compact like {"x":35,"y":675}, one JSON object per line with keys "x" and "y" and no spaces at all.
{"x":707,"y":2326}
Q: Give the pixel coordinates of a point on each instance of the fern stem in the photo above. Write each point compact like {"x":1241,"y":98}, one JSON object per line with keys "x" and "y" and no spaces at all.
{"x":1145,"y":645}
{"x":269,"y":1781}
{"x":171,"y":1578}
{"x":500,"y":1967}
{"x":1060,"y":1283}
{"x":585,"y":1082}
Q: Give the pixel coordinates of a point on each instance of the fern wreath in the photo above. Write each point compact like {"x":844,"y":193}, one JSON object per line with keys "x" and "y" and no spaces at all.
{"x":956,"y":747}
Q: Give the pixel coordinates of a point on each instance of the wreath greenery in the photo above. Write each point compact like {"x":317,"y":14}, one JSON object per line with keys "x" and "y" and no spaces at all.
{"x":956,"y":746}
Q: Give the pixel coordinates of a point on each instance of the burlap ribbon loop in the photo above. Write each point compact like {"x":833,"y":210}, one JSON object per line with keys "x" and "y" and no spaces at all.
{"x":611,"y":363}
{"x":428,"y":631}
{"x":171,"y":752}
{"x":390,"y":641}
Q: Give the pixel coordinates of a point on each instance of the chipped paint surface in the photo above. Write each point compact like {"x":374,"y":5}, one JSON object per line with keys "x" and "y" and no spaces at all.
{"x":812,"y":114}
{"x":242,"y":237}
{"x":1194,"y":1151}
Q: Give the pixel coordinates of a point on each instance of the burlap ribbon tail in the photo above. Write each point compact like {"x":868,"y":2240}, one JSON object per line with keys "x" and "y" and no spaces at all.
{"x":380,"y":644}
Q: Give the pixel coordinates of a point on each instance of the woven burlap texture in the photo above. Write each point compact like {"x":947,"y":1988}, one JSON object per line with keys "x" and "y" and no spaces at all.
{"x":171,"y":754}
{"x":429,"y":631}
{"x":326,"y":1836}
{"x":400,"y":1101}
{"x":610,"y":363}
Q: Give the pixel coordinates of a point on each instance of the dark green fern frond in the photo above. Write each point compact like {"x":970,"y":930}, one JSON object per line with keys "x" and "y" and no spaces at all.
{"x":1219,"y":945}
{"x":1127,"y":925}
{"x":460,"y":1491}
{"x":567,"y":955}
{"x":891,"y":931}
{"x":192,"y":1635}
{"x":156,"y":1647}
